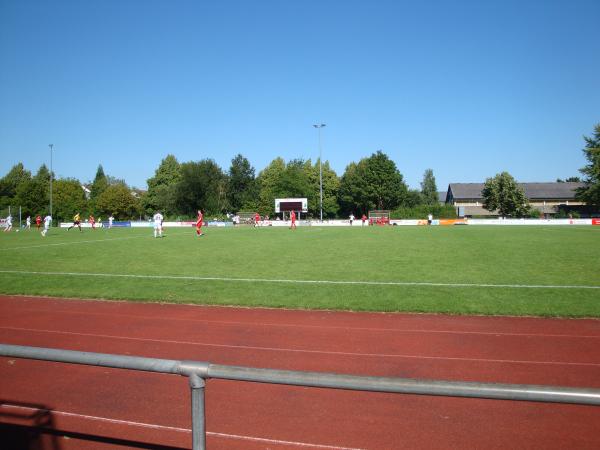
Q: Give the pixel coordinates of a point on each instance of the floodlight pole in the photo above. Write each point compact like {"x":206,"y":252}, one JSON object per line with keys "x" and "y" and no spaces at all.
{"x":51,"y":147}
{"x":318,"y":127}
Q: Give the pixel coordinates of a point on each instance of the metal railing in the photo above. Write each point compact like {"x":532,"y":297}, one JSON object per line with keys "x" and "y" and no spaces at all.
{"x":198,"y":372}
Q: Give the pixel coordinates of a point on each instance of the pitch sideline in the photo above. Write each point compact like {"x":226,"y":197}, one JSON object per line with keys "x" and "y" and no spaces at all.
{"x":288,"y":281}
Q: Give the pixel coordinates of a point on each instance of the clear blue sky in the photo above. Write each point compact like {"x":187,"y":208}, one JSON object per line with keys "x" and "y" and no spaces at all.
{"x":467,"y":88}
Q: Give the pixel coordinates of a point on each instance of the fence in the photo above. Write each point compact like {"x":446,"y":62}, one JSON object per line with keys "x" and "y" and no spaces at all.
{"x":198,"y":372}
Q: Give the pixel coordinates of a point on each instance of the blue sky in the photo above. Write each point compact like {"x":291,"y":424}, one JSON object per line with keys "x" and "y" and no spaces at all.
{"x":466,"y":88}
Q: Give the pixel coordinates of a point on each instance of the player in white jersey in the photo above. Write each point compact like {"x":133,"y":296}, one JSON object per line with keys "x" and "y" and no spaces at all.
{"x":158,"y":220}
{"x":110,"y":221}
{"x":28,"y":223}
{"x":47,"y":224}
{"x":8,"y":223}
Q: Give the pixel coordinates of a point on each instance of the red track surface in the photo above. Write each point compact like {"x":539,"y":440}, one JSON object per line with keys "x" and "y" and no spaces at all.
{"x":153,"y":408}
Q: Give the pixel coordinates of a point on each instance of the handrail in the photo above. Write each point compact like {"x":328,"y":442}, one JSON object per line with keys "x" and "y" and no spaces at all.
{"x":198,"y":372}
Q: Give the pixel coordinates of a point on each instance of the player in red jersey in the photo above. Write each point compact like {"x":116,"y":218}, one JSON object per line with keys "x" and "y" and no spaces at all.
{"x":92,"y":221}
{"x":293,"y":219}
{"x":199,"y":222}
{"x":256,"y":219}
{"x":38,"y":222}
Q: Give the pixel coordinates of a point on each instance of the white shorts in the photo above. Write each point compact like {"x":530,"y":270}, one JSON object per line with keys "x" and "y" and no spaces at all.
{"x":157,"y":225}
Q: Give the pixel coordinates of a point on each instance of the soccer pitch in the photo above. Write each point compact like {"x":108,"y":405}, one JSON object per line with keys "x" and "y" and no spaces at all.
{"x":545,"y":271}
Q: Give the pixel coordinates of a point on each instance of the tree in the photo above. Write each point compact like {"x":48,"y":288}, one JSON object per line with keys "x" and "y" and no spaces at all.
{"x":569,"y":180}
{"x":203,"y":185}
{"x":294,"y":182}
{"x":68,"y":198}
{"x":373,"y":183}
{"x":99,"y":184}
{"x":429,"y":188}
{"x":118,"y":201}
{"x":590,"y":193}
{"x":241,"y":189}
{"x":502,"y":193}
{"x":268,"y":184}
{"x":43,"y":174}
{"x":413,"y":198}
{"x":352,"y":192}
{"x":33,"y":197}
{"x":10,"y":182}
{"x":161,"y":187}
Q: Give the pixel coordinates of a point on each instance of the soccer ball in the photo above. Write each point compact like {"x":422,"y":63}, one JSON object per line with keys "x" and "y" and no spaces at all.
{"x":18,"y":231}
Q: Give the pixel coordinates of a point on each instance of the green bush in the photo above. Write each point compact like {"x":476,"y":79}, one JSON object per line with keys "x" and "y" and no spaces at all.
{"x":422,"y":211}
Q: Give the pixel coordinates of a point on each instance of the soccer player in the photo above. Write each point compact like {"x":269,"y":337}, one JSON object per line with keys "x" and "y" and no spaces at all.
{"x":293,"y":219}
{"x":28,"y":223}
{"x":158,"y":220}
{"x":8,"y":223}
{"x":92,"y":221}
{"x":199,"y":221}
{"x":256,"y":219}
{"x":38,"y":221}
{"x":76,"y":222}
{"x":110,"y":221}
{"x":364,"y":220}
{"x":351,"y":218}
{"x":47,"y":224}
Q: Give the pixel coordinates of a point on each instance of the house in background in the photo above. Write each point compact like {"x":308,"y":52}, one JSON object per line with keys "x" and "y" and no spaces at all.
{"x":547,"y":198}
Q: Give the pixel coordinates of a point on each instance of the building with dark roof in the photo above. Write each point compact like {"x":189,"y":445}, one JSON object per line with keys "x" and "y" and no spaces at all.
{"x":545,"y":197}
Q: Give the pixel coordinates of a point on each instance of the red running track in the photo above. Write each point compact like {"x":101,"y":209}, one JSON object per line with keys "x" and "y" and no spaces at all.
{"x":140,"y":408}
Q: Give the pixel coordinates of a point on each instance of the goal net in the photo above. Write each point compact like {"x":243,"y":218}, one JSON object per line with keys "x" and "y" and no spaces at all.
{"x":379,"y":217}
{"x":246,"y":217}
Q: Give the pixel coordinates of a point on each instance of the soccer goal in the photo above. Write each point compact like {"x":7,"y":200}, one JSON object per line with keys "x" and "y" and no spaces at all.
{"x":246,"y":217}
{"x":379,"y":217}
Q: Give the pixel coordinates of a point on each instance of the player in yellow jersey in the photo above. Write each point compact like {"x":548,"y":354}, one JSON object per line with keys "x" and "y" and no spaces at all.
{"x":76,"y":222}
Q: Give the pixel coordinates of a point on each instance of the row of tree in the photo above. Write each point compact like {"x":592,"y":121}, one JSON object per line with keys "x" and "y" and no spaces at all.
{"x":179,"y":189}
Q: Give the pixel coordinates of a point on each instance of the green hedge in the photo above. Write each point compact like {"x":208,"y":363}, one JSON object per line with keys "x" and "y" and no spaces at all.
{"x":421,"y":212}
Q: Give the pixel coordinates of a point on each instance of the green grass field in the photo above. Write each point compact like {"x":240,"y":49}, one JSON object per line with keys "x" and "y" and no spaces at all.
{"x":475,"y":270}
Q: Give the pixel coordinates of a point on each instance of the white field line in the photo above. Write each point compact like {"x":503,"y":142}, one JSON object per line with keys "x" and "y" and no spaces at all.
{"x":168,"y":428}
{"x":73,"y":243}
{"x":92,"y":241}
{"x":32,"y":311}
{"x":287,"y":281}
{"x":294,"y":350}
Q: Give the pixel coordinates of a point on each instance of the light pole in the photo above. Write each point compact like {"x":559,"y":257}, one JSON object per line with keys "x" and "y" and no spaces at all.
{"x":318,"y":127}
{"x":51,"y":147}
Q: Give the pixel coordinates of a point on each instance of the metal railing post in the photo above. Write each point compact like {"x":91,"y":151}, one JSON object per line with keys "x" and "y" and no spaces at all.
{"x":197,"y":385}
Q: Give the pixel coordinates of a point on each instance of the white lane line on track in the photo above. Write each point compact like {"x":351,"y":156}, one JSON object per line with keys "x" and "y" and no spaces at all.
{"x":292,"y":350}
{"x":163,"y":319}
{"x":168,"y":428}
{"x":286,"y":281}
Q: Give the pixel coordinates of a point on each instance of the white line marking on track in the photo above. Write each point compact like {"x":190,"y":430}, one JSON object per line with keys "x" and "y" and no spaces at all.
{"x":286,"y":281}
{"x":162,"y":319}
{"x":168,"y":428}
{"x":292,"y":350}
